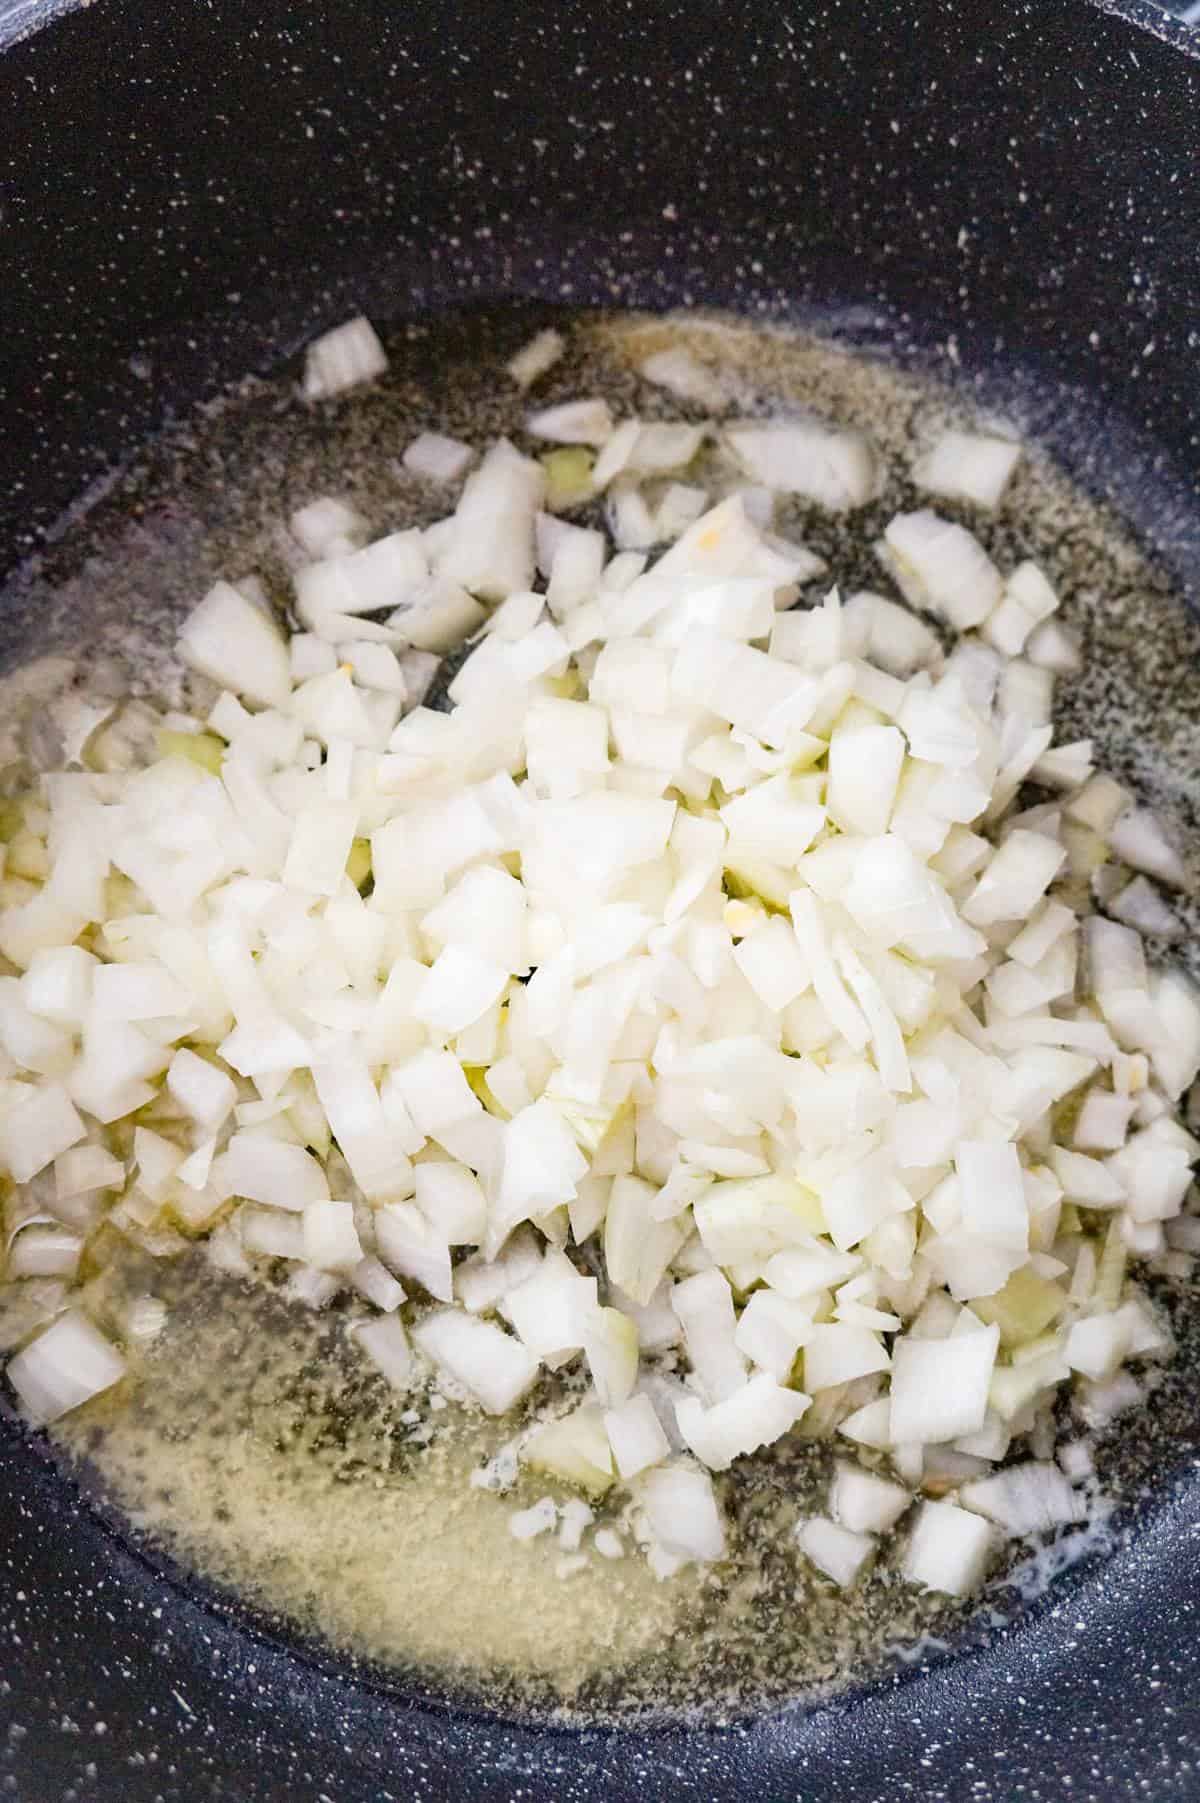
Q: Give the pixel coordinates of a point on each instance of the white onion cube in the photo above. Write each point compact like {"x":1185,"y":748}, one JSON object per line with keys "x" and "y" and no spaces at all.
{"x":64,"y":1367}
{"x":757,"y":1414}
{"x":1025,"y":1499}
{"x":836,"y":1354}
{"x":940,"y":1387}
{"x":386,"y":1344}
{"x":803,"y":457}
{"x":636,"y":1436}
{"x":264,"y":1169}
{"x":835,"y":1550}
{"x":37,"y":1130}
{"x":202,"y":1091}
{"x":330,"y":1237}
{"x":949,"y":1550}
{"x":343,"y":358}
{"x":682,"y":1513}
{"x":231,"y":640}
{"x":440,"y":459}
{"x":968,"y":466}
{"x":495,"y":1368}
{"x":865,"y":1503}
{"x":58,"y":984}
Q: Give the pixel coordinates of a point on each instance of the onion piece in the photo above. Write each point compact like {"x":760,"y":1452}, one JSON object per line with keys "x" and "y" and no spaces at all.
{"x":864,"y":771}
{"x":771,"y":1330}
{"x":704,"y":1305}
{"x":491,"y":553}
{"x":889,"y":635}
{"x":836,"y":1354}
{"x":1139,"y":905}
{"x":800,"y":457}
{"x":968,"y":466}
{"x":940,"y":1387}
{"x":412,"y":1246}
{"x":863,"y":1502}
{"x":756,"y":1414}
{"x":635,"y":1436}
{"x":941,"y":568}
{"x":637,"y":1248}
{"x":265,"y":1169}
{"x":1015,"y":880}
{"x":610,"y":1342}
{"x":44,"y":1251}
{"x":1139,"y":839}
{"x":950,"y":1549}
{"x":232,"y":641}
{"x":682,"y":1514}
{"x":684,"y":376}
{"x":40,"y":1128}
{"x":870,"y":1425}
{"x":572,"y":422}
{"x":438,"y":458}
{"x":84,"y":1169}
{"x":374,"y":1281}
{"x":574,"y":1448}
{"x":553,"y":1309}
{"x":1026,"y":1499}
{"x":541,"y":353}
{"x":539,"y":1518}
{"x":343,"y":358}
{"x":64,"y":1367}
{"x":496,"y":1369}
{"x":204,"y":1092}
{"x":386,"y":1344}
{"x":836,"y":1551}
{"x":58,"y":984}
{"x":328,"y":527}
{"x":330,"y":1237}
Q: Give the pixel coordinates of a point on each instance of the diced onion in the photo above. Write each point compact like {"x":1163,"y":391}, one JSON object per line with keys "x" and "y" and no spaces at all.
{"x":496,"y":1369}
{"x":437,"y":457}
{"x":231,"y":640}
{"x":968,"y":466}
{"x":541,"y":353}
{"x":386,"y":1344}
{"x":949,"y":1550}
{"x":636,"y":1437}
{"x":682,"y":1514}
{"x":836,"y":1551}
{"x":835,"y":468}
{"x":1025,"y":1499}
{"x":573,"y":422}
{"x":865,"y":1503}
{"x":345,"y":357}
{"x":695,"y":1008}
{"x":65,"y":1366}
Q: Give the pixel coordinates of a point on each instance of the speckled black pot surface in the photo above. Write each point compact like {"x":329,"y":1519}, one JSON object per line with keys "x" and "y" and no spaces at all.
{"x":1002,"y":195}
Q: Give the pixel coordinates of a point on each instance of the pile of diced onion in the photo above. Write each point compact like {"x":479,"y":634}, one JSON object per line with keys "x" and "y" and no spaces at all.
{"x":701,"y":1008}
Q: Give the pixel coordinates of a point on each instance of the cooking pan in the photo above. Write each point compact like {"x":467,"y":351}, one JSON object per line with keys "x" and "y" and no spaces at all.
{"x":1003,"y":196}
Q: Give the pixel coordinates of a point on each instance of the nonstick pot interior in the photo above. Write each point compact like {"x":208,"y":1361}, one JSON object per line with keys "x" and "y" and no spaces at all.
{"x":1002,"y":195}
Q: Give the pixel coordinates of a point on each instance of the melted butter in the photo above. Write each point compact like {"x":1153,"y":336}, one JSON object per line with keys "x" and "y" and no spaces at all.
{"x":264,"y":1452}
{"x":254,"y":1445}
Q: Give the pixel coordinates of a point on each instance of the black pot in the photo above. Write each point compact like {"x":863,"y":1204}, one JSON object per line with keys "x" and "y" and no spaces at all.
{"x":1005,"y":195}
